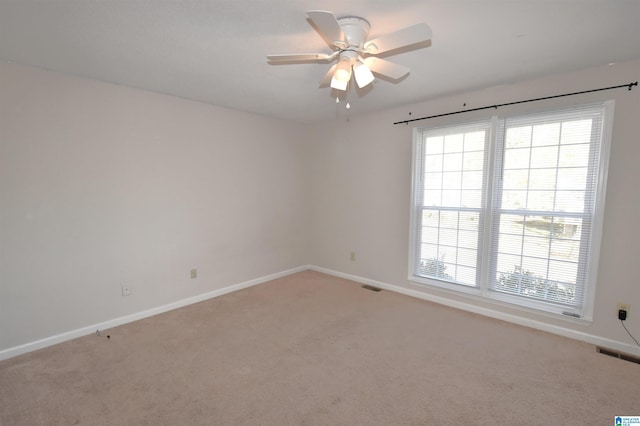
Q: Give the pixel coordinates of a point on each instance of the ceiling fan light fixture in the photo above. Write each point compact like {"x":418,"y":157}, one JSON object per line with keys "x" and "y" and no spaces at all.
{"x":362,"y":74}
{"x":338,"y":84}
{"x":342,"y":75}
{"x":357,"y":56}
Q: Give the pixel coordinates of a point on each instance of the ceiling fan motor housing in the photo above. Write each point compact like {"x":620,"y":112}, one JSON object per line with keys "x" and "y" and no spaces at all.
{"x":356,"y":31}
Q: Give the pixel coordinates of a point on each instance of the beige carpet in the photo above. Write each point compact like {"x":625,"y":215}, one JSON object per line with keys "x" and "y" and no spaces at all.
{"x":311,"y":349}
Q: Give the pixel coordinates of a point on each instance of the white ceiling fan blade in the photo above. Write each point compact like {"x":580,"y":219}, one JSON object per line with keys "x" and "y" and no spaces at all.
{"x":326,"y":80}
{"x":386,"y":68}
{"x":411,"y":35}
{"x":300,"y":57}
{"x":327,"y":25}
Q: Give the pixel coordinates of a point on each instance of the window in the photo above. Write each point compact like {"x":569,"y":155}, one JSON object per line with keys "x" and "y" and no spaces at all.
{"x":510,"y":208}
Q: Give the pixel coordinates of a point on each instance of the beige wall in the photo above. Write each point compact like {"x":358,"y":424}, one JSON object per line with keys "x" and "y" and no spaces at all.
{"x":102,"y":185}
{"x":361,"y":178}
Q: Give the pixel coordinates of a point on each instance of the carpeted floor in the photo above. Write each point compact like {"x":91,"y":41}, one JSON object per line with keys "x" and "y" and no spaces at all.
{"x":311,"y":349}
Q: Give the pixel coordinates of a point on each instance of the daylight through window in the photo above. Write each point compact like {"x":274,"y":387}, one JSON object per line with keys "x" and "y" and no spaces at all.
{"x":509,"y":208}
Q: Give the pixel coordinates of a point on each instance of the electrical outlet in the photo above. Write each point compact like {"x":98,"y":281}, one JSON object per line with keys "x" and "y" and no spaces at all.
{"x":352,"y":256}
{"x":624,"y":307}
{"x":126,"y":290}
{"x":194,"y":273}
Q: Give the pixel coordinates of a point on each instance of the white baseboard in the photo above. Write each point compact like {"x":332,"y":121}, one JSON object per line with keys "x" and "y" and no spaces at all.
{"x":492,"y":313}
{"x":515,"y":319}
{"x":84,"y":331}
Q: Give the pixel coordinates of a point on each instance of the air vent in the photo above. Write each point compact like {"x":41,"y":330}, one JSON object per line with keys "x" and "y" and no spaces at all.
{"x":370,"y":287}
{"x":615,"y":354}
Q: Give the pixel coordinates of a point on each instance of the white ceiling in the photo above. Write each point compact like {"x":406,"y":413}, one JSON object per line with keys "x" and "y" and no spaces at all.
{"x":214,"y":50}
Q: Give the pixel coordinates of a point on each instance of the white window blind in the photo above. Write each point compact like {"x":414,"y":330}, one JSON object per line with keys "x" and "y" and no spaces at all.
{"x":508,"y":208}
{"x":452,"y":164}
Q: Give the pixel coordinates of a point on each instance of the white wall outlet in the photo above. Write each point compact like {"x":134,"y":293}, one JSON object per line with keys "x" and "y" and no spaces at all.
{"x":352,"y":256}
{"x":126,"y":290}
{"x":194,"y":273}
{"x":624,"y":307}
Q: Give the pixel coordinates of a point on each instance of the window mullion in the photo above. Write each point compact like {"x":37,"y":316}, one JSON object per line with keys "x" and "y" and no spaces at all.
{"x":491,"y":201}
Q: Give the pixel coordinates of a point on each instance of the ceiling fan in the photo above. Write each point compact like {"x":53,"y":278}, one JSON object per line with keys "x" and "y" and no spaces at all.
{"x":356,"y":56}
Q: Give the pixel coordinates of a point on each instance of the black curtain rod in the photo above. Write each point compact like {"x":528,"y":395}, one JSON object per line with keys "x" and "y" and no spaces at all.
{"x":629,"y":86}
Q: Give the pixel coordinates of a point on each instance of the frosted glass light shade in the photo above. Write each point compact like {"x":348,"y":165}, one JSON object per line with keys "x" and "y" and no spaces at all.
{"x":362,"y":74}
{"x":342,"y":75}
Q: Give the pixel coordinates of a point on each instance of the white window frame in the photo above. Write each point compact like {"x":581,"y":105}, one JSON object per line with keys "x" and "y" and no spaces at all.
{"x":481,"y":290}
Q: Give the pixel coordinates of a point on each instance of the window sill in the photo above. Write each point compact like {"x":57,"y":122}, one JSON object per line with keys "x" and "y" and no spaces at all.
{"x":499,"y":300}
